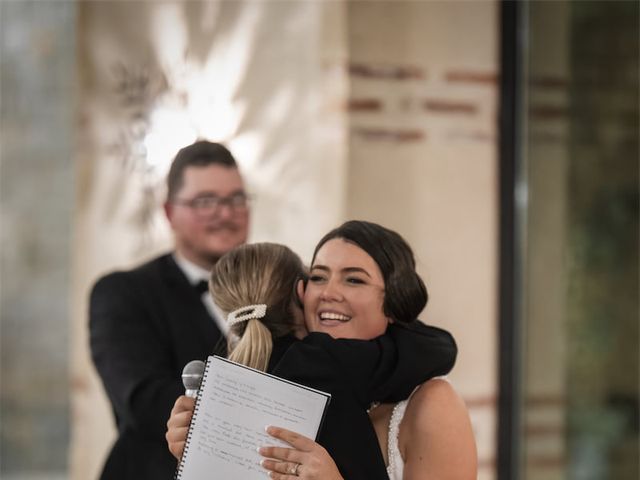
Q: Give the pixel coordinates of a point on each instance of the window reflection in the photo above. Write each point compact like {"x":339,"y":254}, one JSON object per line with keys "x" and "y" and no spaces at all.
{"x":581,"y":369}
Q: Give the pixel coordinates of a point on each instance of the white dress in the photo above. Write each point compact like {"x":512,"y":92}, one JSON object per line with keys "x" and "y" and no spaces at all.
{"x":396,"y":463}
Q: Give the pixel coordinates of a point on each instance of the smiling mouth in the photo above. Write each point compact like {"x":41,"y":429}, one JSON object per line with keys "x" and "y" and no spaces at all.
{"x":221,"y":228}
{"x":332,"y":317}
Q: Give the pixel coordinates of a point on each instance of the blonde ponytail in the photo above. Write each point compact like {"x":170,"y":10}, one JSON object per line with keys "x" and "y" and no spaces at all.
{"x":254,"y":347}
{"x":255,"y":275}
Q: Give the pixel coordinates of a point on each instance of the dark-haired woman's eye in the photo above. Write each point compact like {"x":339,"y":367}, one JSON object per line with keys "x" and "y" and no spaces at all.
{"x":355,"y":281}
{"x":316,"y":278}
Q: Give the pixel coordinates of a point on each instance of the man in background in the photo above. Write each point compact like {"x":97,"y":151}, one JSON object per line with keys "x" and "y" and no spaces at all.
{"x":147,"y":323}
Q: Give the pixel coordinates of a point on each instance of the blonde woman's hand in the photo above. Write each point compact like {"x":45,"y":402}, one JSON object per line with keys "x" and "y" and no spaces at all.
{"x":306,"y":459}
{"x":178,"y":425}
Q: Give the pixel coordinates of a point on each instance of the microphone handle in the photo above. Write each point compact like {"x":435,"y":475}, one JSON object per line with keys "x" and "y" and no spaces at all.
{"x":191,"y":392}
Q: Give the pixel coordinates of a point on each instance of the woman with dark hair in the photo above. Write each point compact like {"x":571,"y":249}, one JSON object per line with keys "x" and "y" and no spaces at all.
{"x":403,"y":294}
{"x":362,"y":280}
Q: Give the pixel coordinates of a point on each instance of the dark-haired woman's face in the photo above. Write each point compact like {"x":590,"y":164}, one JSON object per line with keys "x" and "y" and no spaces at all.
{"x":345,"y":293}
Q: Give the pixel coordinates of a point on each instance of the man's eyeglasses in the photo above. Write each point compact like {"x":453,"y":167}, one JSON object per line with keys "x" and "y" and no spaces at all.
{"x":210,"y":204}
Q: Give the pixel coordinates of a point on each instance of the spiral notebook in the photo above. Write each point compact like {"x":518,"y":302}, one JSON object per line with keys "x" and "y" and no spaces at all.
{"x":233,"y":406}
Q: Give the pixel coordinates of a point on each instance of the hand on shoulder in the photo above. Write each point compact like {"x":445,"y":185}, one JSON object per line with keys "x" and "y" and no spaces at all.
{"x":436,"y":439}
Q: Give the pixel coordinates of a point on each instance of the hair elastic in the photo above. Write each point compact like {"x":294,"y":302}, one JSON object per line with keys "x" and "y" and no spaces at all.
{"x":247,"y":313}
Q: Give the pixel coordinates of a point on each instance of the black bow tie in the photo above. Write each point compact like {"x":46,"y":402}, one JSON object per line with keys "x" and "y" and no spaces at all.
{"x":201,"y":287}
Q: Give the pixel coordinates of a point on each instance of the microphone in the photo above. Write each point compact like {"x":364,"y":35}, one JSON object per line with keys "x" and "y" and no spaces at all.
{"x":192,"y":376}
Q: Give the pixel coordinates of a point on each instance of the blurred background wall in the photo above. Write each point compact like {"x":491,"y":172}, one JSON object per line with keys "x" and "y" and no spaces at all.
{"x":422,"y":159}
{"x":263,"y":77}
{"x":37,"y":184}
{"x":384,"y":110}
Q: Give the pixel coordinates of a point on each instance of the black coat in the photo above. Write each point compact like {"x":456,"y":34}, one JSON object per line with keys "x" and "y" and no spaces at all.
{"x":357,"y":373}
{"x":145,"y":326}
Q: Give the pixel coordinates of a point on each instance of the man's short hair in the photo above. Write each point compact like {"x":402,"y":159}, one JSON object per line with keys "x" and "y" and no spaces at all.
{"x":199,"y":154}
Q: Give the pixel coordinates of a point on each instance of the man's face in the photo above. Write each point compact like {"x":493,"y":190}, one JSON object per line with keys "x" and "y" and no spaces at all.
{"x":202,"y":233}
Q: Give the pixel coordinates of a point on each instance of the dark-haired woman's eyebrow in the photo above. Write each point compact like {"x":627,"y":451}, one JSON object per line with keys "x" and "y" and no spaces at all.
{"x":356,"y":270}
{"x":320,"y":267}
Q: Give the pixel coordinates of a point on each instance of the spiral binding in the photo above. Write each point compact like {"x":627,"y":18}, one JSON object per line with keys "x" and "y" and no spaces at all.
{"x":187,"y":442}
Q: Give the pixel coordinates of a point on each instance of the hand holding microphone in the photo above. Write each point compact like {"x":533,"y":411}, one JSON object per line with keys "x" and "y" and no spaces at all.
{"x":178,"y":423}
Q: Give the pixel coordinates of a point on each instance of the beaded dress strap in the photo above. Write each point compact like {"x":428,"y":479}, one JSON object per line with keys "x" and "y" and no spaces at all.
{"x":393,"y":452}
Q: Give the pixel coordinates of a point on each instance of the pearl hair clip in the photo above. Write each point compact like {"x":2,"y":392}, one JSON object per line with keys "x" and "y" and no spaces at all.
{"x":247,"y":313}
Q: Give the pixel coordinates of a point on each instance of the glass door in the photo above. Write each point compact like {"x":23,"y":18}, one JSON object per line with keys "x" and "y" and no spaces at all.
{"x":574,"y":380}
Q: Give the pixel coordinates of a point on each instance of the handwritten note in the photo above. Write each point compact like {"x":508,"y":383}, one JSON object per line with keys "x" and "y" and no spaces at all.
{"x":235,"y":404}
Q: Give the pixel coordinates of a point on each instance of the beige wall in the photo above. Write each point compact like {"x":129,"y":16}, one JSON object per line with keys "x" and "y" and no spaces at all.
{"x":423,"y":160}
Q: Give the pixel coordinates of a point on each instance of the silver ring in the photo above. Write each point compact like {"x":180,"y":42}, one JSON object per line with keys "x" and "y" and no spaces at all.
{"x":294,"y":470}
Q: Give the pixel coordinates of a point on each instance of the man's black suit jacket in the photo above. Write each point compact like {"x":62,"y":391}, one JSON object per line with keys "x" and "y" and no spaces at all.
{"x":145,"y":326}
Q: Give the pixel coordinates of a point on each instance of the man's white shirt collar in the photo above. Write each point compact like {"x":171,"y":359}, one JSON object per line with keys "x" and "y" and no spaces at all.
{"x":195,"y":274}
